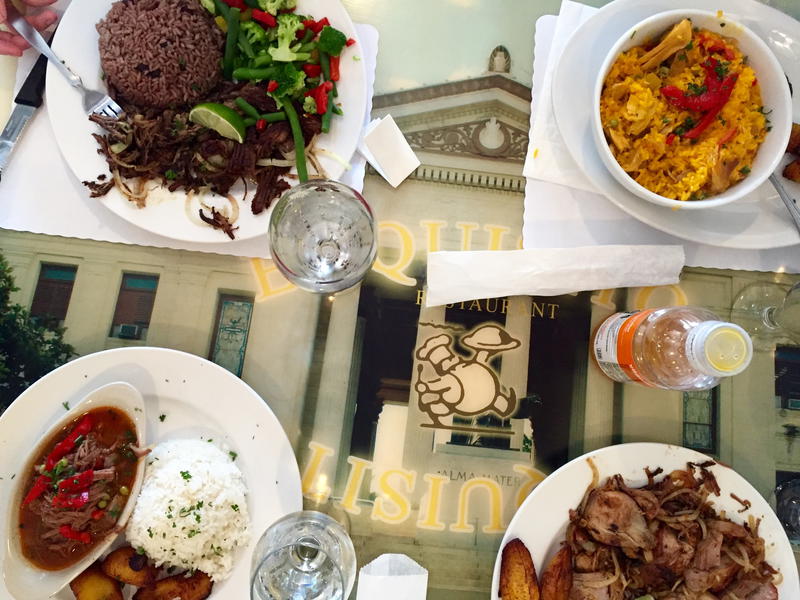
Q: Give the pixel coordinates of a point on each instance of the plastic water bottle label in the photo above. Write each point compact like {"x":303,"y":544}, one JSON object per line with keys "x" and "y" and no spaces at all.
{"x":613,"y":346}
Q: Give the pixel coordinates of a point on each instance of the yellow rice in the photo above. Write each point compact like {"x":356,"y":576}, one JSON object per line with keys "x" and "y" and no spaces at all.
{"x":639,"y":113}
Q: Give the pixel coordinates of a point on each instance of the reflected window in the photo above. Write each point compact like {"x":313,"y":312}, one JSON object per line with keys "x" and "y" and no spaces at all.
{"x":787,"y":377}
{"x":52,"y":295}
{"x":700,"y":420}
{"x":137,"y":294}
{"x":231,"y":328}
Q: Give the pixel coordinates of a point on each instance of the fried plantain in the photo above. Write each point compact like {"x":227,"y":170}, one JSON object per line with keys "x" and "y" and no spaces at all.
{"x":126,"y":565}
{"x":196,"y":587}
{"x":517,"y":573}
{"x":93,"y":584}
{"x":557,"y":577}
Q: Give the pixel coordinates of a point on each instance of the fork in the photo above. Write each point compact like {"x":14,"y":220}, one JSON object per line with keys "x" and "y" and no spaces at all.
{"x":93,"y":101}
{"x":791,"y":203}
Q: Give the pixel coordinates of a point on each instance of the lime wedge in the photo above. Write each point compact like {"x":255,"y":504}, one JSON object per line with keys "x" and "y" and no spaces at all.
{"x":222,"y":119}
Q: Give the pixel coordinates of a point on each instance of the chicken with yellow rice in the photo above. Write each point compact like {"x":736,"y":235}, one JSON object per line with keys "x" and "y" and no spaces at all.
{"x":684,"y":116}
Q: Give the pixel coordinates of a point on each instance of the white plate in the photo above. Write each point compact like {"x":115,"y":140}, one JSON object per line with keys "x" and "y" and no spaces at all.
{"x":541,"y":521}
{"x":758,"y":221}
{"x":198,"y":398}
{"x":76,"y":44}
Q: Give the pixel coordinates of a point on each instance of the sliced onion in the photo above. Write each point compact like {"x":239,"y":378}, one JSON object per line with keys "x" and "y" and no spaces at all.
{"x":275,"y":162}
{"x":347,"y":166}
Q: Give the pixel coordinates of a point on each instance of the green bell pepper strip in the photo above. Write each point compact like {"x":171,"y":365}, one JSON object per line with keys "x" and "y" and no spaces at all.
{"x":299,"y":142}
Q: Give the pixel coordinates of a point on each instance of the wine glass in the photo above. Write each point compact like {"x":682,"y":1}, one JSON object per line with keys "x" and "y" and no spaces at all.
{"x":303,"y":556}
{"x":768,"y":311}
{"x":322,"y":236}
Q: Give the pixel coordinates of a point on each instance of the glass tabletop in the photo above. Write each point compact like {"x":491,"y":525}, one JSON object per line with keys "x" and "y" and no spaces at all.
{"x":352,"y":377}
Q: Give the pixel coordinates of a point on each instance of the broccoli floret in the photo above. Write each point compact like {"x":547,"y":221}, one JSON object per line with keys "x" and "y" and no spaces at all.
{"x":331,"y":40}
{"x":288,"y":25}
{"x":273,"y":6}
{"x":255,"y":34}
{"x":291,"y":81}
{"x":309,"y":105}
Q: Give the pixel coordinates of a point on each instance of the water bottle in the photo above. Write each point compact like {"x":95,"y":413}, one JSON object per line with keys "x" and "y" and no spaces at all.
{"x":678,"y":348}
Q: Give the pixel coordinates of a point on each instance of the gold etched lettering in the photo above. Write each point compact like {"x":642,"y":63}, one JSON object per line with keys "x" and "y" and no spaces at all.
{"x":358,"y":467}
{"x":420,"y":296}
{"x":535,"y":477}
{"x":313,"y":484}
{"x":434,"y":238}
{"x":495,"y":494}
{"x":553,"y":309}
{"x":394,"y":272}
{"x":475,"y":303}
{"x":492,"y":307}
{"x":504,"y":309}
{"x":466,"y":233}
{"x":392,"y":496}
{"x":433,"y":501}
{"x":270,"y":281}
{"x":538,"y":310}
{"x":496,"y":234}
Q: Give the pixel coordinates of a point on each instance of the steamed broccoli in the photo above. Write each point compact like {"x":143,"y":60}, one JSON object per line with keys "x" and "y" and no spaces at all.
{"x":331,"y":40}
{"x":255,"y":33}
{"x":291,"y":81}
{"x":288,"y":26}
{"x":309,"y":105}
{"x":273,"y":6}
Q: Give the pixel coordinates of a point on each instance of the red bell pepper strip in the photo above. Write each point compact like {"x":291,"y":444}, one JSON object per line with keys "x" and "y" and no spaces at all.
{"x":264,"y":18}
{"x":37,"y":489}
{"x":272,"y":86}
{"x":316,"y":26}
{"x":62,"y":500}
{"x":712,"y":95}
{"x":708,"y":118}
{"x":312,"y":70}
{"x":72,"y":534}
{"x":236,"y":4}
{"x":721,"y":48}
{"x":349,"y":42}
{"x":728,"y":136}
{"x":670,"y":138}
{"x":334,"y":60}
{"x":76,"y":483}
{"x":66,"y":445}
{"x":320,"y":95}
{"x":98,"y":514}
{"x":261,"y":124}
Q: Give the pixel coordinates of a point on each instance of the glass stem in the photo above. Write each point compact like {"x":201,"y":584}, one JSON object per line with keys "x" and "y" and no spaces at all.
{"x":770,"y":316}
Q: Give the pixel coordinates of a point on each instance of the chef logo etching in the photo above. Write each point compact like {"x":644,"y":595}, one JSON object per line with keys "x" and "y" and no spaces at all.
{"x":450,"y":384}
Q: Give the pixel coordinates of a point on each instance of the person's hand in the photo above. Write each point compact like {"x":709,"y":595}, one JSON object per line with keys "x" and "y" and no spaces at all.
{"x":11,"y":43}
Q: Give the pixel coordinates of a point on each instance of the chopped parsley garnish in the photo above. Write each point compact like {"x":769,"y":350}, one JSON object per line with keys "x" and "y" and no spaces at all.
{"x":162,"y":417}
{"x":192,"y":533}
{"x":65,"y":404}
{"x":149,"y":532}
{"x":210,"y":440}
{"x":140,"y":550}
{"x":745,"y":170}
{"x":695,"y":90}
{"x":689,"y":46}
{"x":633,"y":33}
{"x":186,"y":475}
{"x":235,"y":507}
{"x":688,"y":124}
{"x":217,"y":550}
{"x":232,"y":454}
{"x":682,"y":56}
{"x":666,"y":120}
{"x":721,"y":69}
{"x":170,"y":174}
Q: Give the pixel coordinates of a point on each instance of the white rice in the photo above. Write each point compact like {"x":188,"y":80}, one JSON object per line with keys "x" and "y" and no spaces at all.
{"x":192,"y":511}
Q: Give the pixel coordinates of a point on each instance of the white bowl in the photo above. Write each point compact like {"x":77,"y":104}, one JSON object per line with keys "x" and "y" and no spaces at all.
{"x":774,"y":93}
{"x":25,"y":580}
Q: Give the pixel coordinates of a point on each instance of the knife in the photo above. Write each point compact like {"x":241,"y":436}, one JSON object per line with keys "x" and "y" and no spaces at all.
{"x":27,"y":101}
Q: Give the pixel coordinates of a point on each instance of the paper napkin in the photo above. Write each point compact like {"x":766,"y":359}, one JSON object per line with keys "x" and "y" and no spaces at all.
{"x":385,"y":148}
{"x":392,"y":577}
{"x":459,"y":276}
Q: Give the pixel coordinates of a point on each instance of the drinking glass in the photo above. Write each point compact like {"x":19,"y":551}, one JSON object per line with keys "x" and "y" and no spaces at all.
{"x":322,"y":236}
{"x":768,"y":311}
{"x":304,"y":556}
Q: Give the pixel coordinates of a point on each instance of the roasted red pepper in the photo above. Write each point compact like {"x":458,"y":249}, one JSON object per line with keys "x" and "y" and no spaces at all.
{"x":320,"y":95}
{"x":76,"y":483}
{"x":37,"y":489}
{"x":707,"y":100}
{"x":316,"y":26}
{"x":264,"y":18}
{"x":670,"y":138}
{"x":272,"y":86}
{"x":72,"y":534}
{"x":725,"y":93}
{"x":721,"y":48}
{"x":66,"y":445}
{"x":63,"y":500}
{"x":334,"y":61}
{"x":728,"y":136}
{"x":312,"y":70}
{"x":349,"y":42}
